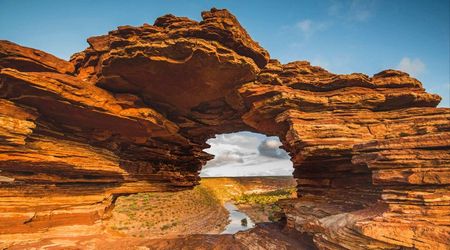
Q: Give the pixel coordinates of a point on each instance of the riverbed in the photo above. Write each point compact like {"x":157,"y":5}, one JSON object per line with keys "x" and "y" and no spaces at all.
{"x":235,"y":217}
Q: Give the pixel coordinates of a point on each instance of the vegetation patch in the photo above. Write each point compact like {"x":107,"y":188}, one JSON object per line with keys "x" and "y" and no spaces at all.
{"x":265,"y":198}
{"x":200,"y":210}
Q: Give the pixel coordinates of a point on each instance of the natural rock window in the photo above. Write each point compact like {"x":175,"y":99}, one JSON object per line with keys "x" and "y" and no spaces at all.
{"x":246,"y":154}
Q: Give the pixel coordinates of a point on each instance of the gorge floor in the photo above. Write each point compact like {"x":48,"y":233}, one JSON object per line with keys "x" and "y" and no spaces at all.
{"x":193,"y":219}
{"x":200,"y":210}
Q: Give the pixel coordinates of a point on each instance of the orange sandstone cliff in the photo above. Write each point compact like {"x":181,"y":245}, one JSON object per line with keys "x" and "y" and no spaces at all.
{"x":133,"y":111}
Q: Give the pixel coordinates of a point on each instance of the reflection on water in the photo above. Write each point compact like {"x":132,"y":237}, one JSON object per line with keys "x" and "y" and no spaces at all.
{"x":235,"y":224}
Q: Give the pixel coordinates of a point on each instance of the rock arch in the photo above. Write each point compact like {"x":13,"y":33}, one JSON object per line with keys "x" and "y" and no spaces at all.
{"x":133,"y":111}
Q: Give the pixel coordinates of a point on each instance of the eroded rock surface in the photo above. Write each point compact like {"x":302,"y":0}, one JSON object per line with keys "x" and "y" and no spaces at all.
{"x":132,"y":113}
{"x":264,"y":236}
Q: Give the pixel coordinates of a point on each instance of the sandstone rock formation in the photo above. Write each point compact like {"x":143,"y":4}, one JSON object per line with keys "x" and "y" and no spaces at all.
{"x":132,"y":113}
{"x":267,"y":236}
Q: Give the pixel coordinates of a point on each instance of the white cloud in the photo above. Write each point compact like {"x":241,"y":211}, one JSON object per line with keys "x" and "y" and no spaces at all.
{"x":225,"y":158}
{"x":308,"y":27}
{"x":271,"y":148}
{"x":246,"y":154}
{"x":361,"y":10}
{"x":354,"y":10}
{"x":339,"y":12}
{"x":267,"y":168}
{"x":305,"y":25}
{"x":414,"y":67}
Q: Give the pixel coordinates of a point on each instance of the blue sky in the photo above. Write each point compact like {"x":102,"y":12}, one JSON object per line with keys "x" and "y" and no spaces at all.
{"x":364,"y":36}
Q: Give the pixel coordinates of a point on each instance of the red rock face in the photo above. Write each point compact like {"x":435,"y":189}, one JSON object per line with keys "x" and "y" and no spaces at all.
{"x":133,"y":111}
{"x":205,"y":60}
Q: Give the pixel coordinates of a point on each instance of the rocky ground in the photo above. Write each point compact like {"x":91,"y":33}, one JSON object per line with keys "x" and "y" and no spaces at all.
{"x":264,"y":236}
{"x":197,"y":211}
{"x":192,"y":219}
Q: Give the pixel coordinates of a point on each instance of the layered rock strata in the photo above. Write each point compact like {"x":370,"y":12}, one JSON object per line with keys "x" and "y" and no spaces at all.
{"x":132,"y":113}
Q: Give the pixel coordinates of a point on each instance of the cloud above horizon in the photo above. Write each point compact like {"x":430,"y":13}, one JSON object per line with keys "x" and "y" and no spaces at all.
{"x":339,"y":12}
{"x":270,"y":147}
{"x":414,"y":67}
{"x":353,"y":10}
{"x":308,"y":27}
{"x":246,"y":154}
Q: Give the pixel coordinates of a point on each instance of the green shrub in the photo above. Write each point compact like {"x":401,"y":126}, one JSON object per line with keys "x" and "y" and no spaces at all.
{"x":265,"y":197}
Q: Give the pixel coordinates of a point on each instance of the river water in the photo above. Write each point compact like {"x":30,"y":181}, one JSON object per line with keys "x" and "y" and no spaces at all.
{"x":235,"y":220}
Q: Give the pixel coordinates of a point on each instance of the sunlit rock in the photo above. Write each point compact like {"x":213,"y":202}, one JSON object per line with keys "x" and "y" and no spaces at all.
{"x":132,"y":113}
